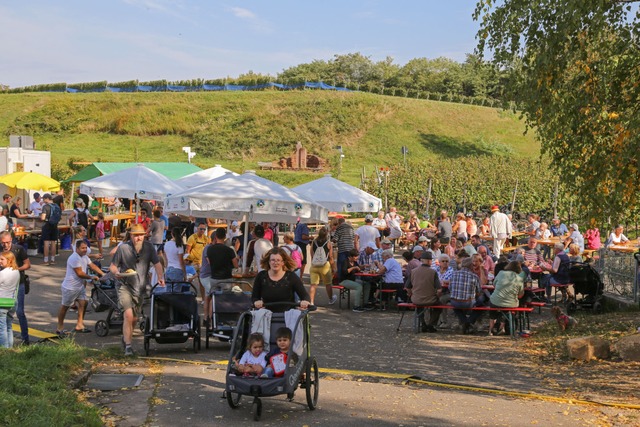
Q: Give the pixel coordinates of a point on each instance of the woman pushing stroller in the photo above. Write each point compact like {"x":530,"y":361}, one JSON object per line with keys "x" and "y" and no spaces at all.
{"x":277,"y":282}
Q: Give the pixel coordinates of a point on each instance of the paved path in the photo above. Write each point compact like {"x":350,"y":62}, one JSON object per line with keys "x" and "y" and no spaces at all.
{"x":176,"y":392}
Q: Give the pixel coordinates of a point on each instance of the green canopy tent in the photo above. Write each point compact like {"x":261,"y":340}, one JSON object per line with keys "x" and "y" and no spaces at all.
{"x":172,"y":170}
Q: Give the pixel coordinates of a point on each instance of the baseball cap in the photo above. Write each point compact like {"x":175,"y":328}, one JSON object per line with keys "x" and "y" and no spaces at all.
{"x":386,"y":242}
{"x":417,"y":248}
{"x":234,"y":223}
{"x":574,"y":226}
{"x":368,"y":218}
{"x":423,"y":239}
{"x":427,"y":255}
{"x":372,"y":246}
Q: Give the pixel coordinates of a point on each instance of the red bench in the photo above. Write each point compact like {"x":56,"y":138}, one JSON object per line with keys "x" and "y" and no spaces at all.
{"x":344,"y":293}
{"x":522,"y":312}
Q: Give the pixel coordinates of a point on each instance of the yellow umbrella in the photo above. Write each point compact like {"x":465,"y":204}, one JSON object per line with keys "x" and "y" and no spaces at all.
{"x":30,"y":181}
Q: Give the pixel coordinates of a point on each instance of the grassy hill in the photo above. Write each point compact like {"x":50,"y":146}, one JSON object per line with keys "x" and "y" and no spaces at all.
{"x":239,"y":129}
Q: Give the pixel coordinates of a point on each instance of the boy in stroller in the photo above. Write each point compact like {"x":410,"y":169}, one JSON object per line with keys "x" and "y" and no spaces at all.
{"x":277,"y":357}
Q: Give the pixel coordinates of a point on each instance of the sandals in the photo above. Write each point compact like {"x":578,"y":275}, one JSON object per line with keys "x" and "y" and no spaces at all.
{"x":61,"y":334}
{"x":82,"y":331}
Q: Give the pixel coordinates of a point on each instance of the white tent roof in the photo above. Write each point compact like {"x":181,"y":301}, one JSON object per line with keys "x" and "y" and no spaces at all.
{"x":233,"y":197}
{"x":138,"y":181}
{"x":203,"y":176}
{"x":338,"y":196}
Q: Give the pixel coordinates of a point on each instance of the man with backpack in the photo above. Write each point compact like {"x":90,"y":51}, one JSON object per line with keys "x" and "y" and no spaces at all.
{"x":79,"y":215}
{"x":51,"y":215}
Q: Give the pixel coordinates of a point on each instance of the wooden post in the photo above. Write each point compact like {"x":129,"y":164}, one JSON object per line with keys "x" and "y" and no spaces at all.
{"x":513,"y":199}
{"x":555,"y":202}
{"x":426,"y":211}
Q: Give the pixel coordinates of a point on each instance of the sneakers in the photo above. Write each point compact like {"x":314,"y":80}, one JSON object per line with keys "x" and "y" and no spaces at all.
{"x":333,"y":300}
{"x":358,"y":310}
{"x":128,"y":351}
{"x":264,"y":376}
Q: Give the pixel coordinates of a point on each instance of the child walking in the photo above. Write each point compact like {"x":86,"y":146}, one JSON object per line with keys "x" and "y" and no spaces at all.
{"x":277,"y":357}
{"x":100,"y":231}
{"x":253,"y":361}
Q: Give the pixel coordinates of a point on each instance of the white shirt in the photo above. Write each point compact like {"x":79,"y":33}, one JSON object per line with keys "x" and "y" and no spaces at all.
{"x":4,"y":222}
{"x":35,"y":208}
{"x":614,"y":240}
{"x":500,"y":226}
{"x":260,"y":247}
{"x":9,"y":280}
{"x":173,"y":254}
{"x":367,"y":234}
{"x":231,"y":234}
{"x":249,"y":359}
{"x":71,"y":280}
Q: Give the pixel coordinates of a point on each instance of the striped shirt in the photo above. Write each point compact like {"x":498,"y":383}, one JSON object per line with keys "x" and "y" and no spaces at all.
{"x":464,"y":285}
{"x":344,"y":237}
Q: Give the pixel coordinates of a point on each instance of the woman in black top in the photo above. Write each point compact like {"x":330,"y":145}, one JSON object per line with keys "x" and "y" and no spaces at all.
{"x":277,"y":282}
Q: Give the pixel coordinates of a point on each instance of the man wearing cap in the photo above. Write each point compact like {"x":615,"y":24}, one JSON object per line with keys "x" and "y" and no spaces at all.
{"x":136,"y":255}
{"x":424,"y":242}
{"x":233,"y":232}
{"x":367,"y":234}
{"x":416,"y":261}
{"x":558,"y":229}
{"x":574,"y":237}
{"x":500,"y":228}
{"x":35,"y":208}
{"x":423,"y":286}
{"x":49,"y":231}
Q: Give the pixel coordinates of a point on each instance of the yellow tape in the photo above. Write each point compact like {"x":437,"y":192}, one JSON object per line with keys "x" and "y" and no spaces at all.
{"x":409,"y":379}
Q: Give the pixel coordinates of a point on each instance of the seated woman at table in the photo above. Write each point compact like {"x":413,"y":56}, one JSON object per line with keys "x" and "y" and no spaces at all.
{"x":452,"y":247}
{"x":574,"y":237}
{"x":361,"y":289}
{"x":14,"y":211}
{"x":509,"y":288}
{"x":484,"y":230}
{"x":574,"y":253}
{"x":277,"y":282}
{"x":559,"y":272}
{"x":616,"y":237}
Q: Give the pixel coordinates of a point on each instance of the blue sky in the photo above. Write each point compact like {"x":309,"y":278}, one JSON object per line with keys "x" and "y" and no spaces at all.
{"x":45,"y":41}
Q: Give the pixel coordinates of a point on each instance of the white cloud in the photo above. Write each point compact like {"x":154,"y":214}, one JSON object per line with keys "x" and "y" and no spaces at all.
{"x":242,"y":13}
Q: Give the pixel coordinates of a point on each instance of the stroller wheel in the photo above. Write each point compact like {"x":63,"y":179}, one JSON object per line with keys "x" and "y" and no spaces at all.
{"x":233,"y":399}
{"x":146,"y":346}
{"x":312,"y":383}
{"x":597,"y":307}
{"x":102,"y":328}
{"x":142,"y":324}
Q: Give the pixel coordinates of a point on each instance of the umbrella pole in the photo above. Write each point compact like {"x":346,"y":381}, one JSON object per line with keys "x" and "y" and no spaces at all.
{"x":244,"y":246}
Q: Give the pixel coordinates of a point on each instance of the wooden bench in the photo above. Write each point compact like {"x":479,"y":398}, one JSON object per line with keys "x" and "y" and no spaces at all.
{"x":522,"y":321}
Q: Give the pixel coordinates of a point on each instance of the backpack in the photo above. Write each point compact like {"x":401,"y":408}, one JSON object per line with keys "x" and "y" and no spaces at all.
{"x":82,"y":218}
{"x":319,"y":256}
{"x":55,"y":215}
{"x":295,"y":255}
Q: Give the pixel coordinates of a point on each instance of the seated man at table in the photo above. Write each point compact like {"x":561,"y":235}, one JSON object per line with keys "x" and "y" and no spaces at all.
{"x":464,"y":288}
{"x":559,"y":272}
{"x":557,"y":228}
{"x":423,"y":287}
{"x":392,"y":276}
{"x":360,"y":289}
{"x":533,"y":256}
{"x":416,"y":261}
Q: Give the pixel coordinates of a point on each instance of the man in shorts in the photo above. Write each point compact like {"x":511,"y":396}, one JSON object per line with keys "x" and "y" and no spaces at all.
{"x":222,"y":260}
{"x":73,"y":287}
{"x":135,"y":255}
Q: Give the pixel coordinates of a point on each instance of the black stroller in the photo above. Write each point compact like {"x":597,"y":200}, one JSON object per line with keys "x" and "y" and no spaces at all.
{"x":104,"y":296}
{"x":229,"y":301}
{"x":586,"y":282}
{"x":173,"y":315}
{"x":301,"y":370}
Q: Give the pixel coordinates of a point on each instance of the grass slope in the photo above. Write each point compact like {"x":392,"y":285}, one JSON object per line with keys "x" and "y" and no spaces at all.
{"x":239,"y":129}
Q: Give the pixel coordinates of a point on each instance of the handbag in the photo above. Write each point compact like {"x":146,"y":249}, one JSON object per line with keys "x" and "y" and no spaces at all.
{"x":27,"y":284}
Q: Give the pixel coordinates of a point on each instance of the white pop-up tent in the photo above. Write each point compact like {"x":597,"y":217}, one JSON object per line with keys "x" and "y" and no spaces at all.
{"x":338,"y":196}
{"x":245,"y":197}
{"x":203,"y":176}
{"x":136,"y":182}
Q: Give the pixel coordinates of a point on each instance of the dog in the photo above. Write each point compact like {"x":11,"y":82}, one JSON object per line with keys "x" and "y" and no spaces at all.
{"x":564,"y":322}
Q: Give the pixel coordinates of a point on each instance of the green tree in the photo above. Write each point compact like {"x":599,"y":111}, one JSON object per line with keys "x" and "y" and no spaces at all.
{"x":573,"y":69}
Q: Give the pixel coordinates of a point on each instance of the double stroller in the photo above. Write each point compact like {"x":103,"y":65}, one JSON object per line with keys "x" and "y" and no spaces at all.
{"x":173,"y":316}
{"x":229,"y":301}
{"x":301,"y":370}
{"x":586,"y":282}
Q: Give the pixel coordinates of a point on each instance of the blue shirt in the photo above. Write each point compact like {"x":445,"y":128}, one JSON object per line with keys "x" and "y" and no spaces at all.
{"x":300,"y":230}
{"x":559,"y":230}
{"x":577,"y":238}
{"x":464,"y":285}
{"x":393,"y":273}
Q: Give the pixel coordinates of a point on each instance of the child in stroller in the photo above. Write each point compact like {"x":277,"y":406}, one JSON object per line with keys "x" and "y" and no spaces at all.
{"x":277,"y":357}
{"x":254,"y":360}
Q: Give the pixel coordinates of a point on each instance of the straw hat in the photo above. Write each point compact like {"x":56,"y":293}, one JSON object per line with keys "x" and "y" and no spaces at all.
{"x":137,"y":229}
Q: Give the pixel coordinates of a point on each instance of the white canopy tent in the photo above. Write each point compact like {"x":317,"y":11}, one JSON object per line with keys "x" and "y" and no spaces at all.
{"x":338,"y":196}
{"x":245,"y":197}
{"x":203,"y":176}
{"x":136,"y":182}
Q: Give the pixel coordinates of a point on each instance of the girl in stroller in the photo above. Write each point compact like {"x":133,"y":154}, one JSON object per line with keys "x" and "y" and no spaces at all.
{"x":253,"y":361}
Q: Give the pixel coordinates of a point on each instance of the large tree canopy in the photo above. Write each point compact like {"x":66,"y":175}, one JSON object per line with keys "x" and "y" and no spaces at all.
{"x":575,"y":73}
